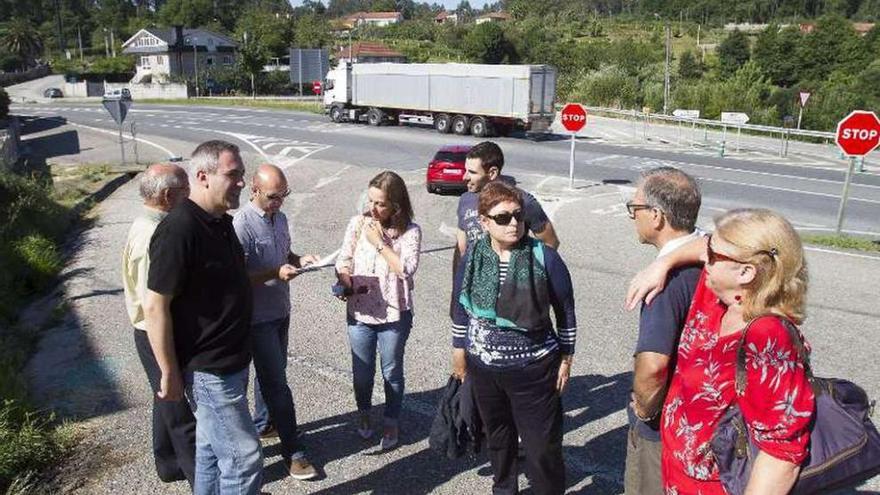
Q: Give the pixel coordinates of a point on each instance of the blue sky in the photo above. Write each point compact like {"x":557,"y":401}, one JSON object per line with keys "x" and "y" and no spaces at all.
{"x":449,"y":4}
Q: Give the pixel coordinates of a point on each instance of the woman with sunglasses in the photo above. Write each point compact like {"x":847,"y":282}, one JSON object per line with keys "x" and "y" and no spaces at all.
{"x":505,"y":343}
{"x":754,"y":278}
{"x":375,"y":268}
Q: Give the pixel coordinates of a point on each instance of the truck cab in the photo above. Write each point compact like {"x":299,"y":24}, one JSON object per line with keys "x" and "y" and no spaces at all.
{"x":337,"y":91}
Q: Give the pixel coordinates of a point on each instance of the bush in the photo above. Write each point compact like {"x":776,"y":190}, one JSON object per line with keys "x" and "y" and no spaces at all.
{"x":609,"y":86}
{"x":28,"y":444}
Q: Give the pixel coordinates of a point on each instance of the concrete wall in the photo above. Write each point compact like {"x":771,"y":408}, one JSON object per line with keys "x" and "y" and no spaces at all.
{"x":155,"y":90}
{"x":75,"y":90}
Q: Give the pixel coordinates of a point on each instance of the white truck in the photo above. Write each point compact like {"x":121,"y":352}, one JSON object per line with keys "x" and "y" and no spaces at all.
{"x":476,"y":99}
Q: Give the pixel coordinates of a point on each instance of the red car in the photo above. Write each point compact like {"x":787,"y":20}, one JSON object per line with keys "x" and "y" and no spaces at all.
{"x":446,"y":170}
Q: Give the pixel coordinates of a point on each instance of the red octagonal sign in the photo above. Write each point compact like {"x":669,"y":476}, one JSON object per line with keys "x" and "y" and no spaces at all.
{"x":859,"y":133}
{"x":574,"y":117}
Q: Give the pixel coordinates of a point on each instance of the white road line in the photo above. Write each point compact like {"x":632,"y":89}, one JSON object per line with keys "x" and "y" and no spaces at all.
{"x":448,"y":231}
{"x":114,"y":133}
{"x":771,"y":174}
{"x":785,"y":189}
{"x":851,"y":255}
{"x":333,"y":178}
{"x":600,"y":159}
{"x":244,"y":137}
{"x":829,"y":229}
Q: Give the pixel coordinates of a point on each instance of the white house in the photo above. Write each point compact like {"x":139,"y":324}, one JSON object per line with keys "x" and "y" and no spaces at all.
{"x":163,"y":53}
{"x":493,"y":17}
{"x":378,"y":19}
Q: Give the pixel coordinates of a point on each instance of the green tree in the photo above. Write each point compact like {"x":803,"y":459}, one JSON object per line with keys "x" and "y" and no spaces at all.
{"x":275,"y":32}
{"x":253,"y":55}
{"x":775,"y":54}
{"x":21,"y":39}
{"x":733,"y":52}
{"x":485,"y":43}
{"x":833,"y":45}
{"x":188,"y":13}
{"x":311,"y":31}
{"x":689,"y":66}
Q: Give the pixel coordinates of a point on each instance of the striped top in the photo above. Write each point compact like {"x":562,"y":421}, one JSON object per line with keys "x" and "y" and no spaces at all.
{"x":502,"y":271}
{"x":507,"y":348}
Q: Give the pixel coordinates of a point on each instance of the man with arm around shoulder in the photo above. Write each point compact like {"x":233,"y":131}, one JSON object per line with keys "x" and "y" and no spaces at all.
{"x":664,"y":212}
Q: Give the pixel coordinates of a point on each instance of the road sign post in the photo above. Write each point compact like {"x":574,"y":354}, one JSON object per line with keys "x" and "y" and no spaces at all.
{"x":737,"y":118}
{"x":857,"y":135}
{"x":574,"y":118}
{"x":118,"y":107}
{"x":803,"y":96}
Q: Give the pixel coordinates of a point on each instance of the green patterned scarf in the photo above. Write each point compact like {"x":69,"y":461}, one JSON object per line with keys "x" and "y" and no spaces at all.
{"x":523,"y":302}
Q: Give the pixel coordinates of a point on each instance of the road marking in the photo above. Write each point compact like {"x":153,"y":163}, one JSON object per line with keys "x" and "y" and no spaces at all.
{"x":244,"y":137}
{"x":114,"y":133}
{"x":851,"y":255}
{"x":448,"y":231}
{"x":333,"y":178}
{"x":601,"y":159}
{"x":785,"y":189}
{"x":829,"y":229}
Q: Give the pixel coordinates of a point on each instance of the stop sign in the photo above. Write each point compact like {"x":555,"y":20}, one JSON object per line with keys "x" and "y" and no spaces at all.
{"x":859,"y":133}
{"x":574,"y":117}
{"x":316,"y":87}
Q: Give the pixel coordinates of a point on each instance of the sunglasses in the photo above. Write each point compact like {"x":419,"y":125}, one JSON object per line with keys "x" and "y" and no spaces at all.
{"x":504,"y":218}
{"x":277,"y":196}
{"x":713,"y":256}
{"x":632,"y":208}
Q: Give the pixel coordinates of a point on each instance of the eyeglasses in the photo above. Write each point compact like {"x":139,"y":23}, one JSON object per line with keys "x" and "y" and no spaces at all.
{"x":276,"y":196}
{"x":632,"y":208}
{"x":713,"y":256}
{"x":504,"y":218}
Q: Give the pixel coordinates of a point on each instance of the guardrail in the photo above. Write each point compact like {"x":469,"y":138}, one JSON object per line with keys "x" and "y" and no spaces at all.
{"x":784,"y":136}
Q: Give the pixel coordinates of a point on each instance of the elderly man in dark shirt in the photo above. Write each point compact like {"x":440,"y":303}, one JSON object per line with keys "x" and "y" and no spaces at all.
{"x":664,"y":211}
{"x":198,"y":311}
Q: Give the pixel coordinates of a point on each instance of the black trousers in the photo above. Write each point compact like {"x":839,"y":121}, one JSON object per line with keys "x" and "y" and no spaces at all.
{"x":174,"y":426}
{"x":522,"y":402}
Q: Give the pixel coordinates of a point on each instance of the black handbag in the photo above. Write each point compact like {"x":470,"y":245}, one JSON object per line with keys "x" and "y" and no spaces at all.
{"x":844,"y":444}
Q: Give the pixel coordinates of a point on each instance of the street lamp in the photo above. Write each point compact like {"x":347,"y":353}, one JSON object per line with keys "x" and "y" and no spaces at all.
{"x":193,"y":40}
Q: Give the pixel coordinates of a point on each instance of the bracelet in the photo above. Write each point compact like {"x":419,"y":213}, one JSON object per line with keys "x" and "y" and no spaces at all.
{"x":380,"y":247}
{"x":645,"y":419}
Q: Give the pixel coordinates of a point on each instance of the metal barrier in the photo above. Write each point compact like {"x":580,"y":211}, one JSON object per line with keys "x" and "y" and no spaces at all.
{"x":785,"y":136}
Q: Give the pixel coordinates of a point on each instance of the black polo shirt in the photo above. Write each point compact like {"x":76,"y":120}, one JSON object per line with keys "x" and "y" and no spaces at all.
{"x":197,"y":259}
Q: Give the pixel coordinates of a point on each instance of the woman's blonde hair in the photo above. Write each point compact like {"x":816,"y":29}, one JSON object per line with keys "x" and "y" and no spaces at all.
{"x":768,"y":241}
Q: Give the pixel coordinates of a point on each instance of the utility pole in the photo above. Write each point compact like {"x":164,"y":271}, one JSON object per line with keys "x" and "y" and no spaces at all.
{"x":666,"y":74}
{"x":106,"y":45}
{"x":79,"y":37}
{"x":112,"y":43}
{"x":62,"y":43}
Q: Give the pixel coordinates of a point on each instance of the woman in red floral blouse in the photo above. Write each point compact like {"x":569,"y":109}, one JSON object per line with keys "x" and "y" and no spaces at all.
{"x":754,"y":270}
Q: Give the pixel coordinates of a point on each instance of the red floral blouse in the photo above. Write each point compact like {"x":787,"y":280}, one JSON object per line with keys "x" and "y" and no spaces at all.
{"x":777,"y":406}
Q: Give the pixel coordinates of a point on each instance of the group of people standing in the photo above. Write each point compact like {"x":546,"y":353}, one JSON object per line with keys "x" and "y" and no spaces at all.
{"x":209,"y":293}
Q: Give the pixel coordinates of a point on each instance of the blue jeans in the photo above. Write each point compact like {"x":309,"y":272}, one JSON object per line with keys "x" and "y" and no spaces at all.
{"x":391,"y":340}
{"x":272,"y":395}
{"x":229,"y":458}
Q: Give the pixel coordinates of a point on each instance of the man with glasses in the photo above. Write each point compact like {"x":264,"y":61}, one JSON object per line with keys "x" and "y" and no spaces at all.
{"x":163,"y":186}
{"x":664,"y":210}
{"x":198,"y":310}
{"x":262,"y":229}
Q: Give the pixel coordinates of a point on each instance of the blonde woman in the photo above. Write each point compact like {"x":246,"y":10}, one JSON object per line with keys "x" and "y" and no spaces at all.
{"x":754,"y":277}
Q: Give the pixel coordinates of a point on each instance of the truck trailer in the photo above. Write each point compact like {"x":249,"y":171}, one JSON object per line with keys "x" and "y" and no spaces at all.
{"x":477,"y":99}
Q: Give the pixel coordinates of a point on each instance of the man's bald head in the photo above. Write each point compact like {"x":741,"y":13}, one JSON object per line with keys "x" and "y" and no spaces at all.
{"x":269,"y":176}
{"x":269,"y":187}
{"x":163,"y":186}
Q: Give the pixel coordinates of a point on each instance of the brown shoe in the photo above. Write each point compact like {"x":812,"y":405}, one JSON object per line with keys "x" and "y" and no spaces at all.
{"x":269,"y":432}
{"x":302,"y":469}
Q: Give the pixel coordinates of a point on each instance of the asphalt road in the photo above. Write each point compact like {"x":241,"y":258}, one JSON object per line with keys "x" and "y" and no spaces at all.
{"x":805,"y":190}
{"x":88,"y":368}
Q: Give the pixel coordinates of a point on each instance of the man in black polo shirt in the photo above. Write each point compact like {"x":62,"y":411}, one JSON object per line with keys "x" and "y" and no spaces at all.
{"x":198,"y":311}
{"x":664,"y":212}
